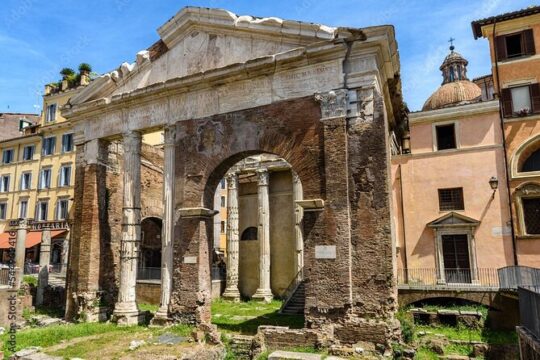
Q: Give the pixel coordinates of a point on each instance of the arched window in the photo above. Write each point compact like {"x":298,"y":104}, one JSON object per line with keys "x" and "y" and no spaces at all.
{"x":249,"y":234}
{"x":532,"y":163}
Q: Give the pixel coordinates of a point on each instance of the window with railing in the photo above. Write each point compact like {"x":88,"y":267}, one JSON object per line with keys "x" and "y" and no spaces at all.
{"x":451,"y":199}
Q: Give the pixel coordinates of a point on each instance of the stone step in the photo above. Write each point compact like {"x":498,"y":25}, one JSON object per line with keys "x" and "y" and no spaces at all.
{"x":241,"y":346}
{"x":290,"y":355}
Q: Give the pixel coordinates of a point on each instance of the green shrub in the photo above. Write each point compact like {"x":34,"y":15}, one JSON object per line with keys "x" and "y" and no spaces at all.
{"x":85,"y":67}
{"x":407,"y":326}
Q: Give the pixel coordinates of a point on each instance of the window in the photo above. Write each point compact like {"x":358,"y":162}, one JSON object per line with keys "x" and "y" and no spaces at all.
{"x":62,"y":209}
{"x":223,"y":227}
{"x":7,"y":156}
{"x":26,"y":180}
{"x":515,"y":45}
{"x":3,"y":211}
{"x":446,"y":136}
{"x":67,"y":143}
{"x":65,"y":176}
{"x":451,"y":199}
{"x":51,"y":113}
{"x":4,"y":183}
{"x":521,"y":100}
{"x":532,"y":163}
{"x":23,"y":209}
{"x":223,"y":203}
{"x":48,"y":146}
{"x":28,"y":152}
{"x":222,"y":183}
{"x":531,"y":215}
{"x":249,"y":234}
{"x":45,"y":178}
{"x":42,"y":209}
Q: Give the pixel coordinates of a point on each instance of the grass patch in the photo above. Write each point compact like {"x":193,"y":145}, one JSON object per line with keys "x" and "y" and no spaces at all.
{"x":149,"y":307}
{"x":246,"y":317}
{"x":53,"y":335}
{"x":30,"y":280}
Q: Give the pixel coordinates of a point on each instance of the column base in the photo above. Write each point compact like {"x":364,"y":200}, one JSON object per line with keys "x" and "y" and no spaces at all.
{"x":263,"y":295}
{"x":161,"y":319}
{"x":231,"y":294}
{"x":128,"y":314}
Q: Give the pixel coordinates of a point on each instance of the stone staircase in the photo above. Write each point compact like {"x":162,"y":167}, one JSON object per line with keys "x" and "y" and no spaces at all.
{"x":295,"y":304}
{"x":241,"y":347}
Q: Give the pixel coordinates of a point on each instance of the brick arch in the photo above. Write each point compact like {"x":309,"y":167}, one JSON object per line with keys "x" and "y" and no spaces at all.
{"x":213,"y":145}
{"x":478,"y":297}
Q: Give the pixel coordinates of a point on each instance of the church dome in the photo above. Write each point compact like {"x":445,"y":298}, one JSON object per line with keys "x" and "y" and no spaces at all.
{"x":452,"y":94}
{"x":456,"y":88}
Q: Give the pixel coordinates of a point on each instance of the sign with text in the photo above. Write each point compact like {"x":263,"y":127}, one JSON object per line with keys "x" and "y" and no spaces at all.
{"x":325,"y":252}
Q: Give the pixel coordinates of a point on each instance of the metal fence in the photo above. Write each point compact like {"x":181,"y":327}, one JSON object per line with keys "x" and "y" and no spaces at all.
{"x":512,"y":277}
{"x":486,"y":277}
{"x":529,"y":308}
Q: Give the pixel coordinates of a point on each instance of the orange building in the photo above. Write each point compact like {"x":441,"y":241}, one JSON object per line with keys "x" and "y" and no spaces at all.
{"x":514,"y":40}
{"x":453,"y":217}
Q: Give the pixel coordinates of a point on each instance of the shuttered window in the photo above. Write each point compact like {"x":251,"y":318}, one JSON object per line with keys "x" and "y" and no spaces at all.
{"x":515,"y":45}
{"x":515,"y":99}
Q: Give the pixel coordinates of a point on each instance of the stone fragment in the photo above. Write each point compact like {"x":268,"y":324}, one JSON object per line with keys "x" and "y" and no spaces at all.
{"x":480,"y":350}
{"x":289,"y":355}
{"x":135,"y":344}
{"x":169,"y":339}
{"x":437,"y":346}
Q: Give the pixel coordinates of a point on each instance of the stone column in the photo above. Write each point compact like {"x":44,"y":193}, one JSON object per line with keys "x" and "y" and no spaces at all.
{"x":162,"y":315}
{"x":65,"y":253}
{"x":298,"y":232}
{"x":44,"y":261}
{"x":231,"y":290}
{"x":126,"y":311}
{"x":264,"y":292}
{"x":20,"y":250}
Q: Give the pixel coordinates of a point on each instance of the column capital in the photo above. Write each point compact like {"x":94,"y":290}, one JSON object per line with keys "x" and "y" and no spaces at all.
{"x":23,"y":224}
{"x":232,"y":180}
{"x":132,"y":141}
{"x":263,"y":176}
{"x":295,"y":178}
{"x":169,"y":135}
{"x":333,"y":103}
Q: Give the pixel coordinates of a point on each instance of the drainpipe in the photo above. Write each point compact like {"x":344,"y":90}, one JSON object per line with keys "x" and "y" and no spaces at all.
{"x":501,"y":118}
{"x":405,"y":262}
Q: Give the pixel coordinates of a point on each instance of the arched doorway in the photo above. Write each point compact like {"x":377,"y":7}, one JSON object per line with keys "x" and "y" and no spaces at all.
{"x":259,"y":197}
{"x":150,"y":251}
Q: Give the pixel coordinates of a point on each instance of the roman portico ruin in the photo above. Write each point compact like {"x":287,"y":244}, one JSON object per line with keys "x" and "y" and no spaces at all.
{"x":224,"y":87}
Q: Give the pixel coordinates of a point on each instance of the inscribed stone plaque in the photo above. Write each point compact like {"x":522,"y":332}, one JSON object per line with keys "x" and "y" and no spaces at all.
{"x":325,"y":252}
{"x":190,"y":259}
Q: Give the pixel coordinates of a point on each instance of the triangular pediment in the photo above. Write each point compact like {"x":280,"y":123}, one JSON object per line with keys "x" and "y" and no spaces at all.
{"x":197,"y":40}
{"x":453,"y":219}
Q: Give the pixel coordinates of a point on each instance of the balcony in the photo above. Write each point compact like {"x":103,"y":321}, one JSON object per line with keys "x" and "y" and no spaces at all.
{"x":431,"y":278}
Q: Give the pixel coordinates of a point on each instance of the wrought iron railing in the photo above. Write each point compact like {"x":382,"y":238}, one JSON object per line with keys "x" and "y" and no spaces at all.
{"x":422,"y":277}
{"x":511,"y":277}
{"x":4,"y":276}
{"x":529,"y":308}
{"x":291,"y":288}
{"x":149,"y":273}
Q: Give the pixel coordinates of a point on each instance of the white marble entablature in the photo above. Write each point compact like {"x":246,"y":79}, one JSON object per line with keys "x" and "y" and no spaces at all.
{"x":148,"y":94}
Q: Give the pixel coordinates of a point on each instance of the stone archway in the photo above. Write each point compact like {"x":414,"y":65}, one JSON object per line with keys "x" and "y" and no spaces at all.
{"x":326,"y":100}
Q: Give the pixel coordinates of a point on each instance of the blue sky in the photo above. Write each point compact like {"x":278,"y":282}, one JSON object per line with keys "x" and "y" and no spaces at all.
{"x":39,"y":37}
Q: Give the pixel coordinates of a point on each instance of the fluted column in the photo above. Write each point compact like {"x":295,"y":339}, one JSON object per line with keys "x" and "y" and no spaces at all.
{"x":126,"y":311}
{"x":20,"y":250}
{"x":264,"y":292}
{"x":231,"y":290}
{"x":167,"y":236}
{"x":298,"y":232}
{"x":44,"y":261}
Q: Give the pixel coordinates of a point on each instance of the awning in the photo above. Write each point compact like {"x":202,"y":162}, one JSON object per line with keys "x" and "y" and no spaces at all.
{"x":32,"y":238}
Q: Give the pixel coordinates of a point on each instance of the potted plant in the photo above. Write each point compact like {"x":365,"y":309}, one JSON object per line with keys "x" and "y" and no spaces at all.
{"x":66,"y":73}
{"x":85,"y":69}
{"x":523,"y":112}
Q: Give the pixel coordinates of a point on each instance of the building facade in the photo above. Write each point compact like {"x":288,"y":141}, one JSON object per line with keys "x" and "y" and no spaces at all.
{"x":453,"y":220}
{"x":514,"y":40}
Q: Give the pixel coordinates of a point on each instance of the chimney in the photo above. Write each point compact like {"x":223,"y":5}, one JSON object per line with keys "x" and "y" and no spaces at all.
{"x":48,"y":89}
{"x":85,"y":79}
{"x":65,"y":85}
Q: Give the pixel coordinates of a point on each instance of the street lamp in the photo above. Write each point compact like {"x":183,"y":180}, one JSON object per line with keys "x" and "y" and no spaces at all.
{"x":494,"y":183}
